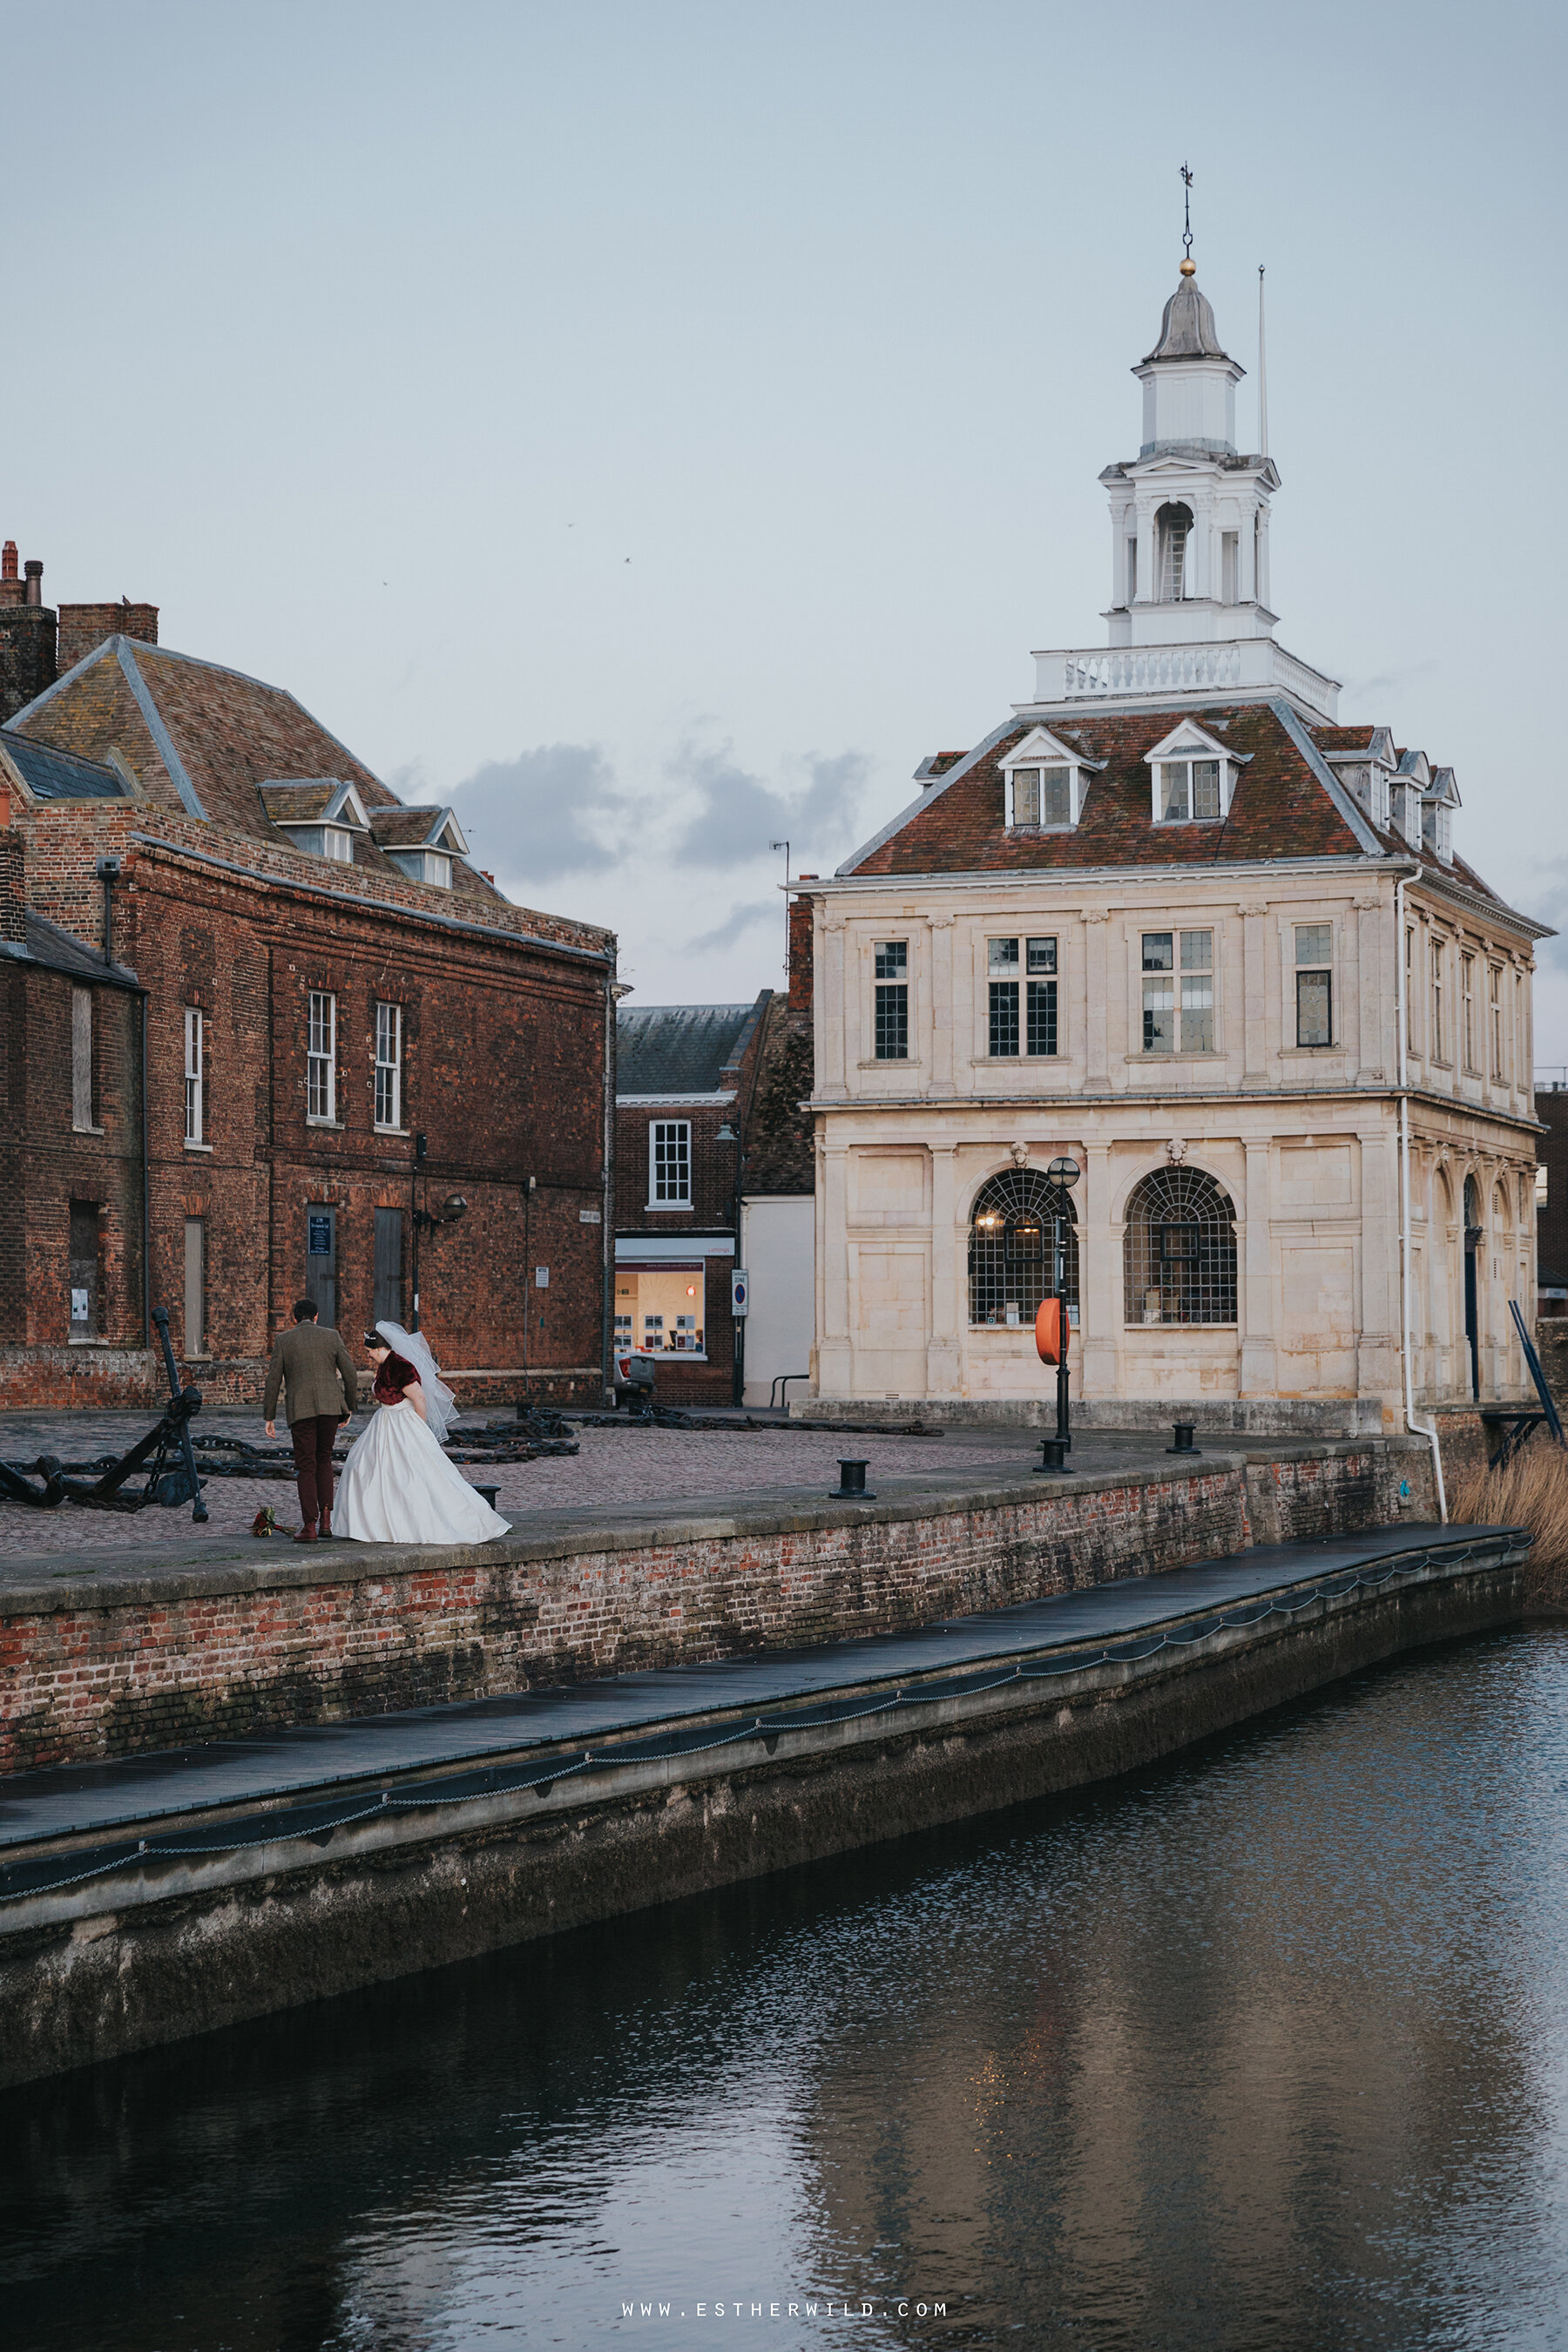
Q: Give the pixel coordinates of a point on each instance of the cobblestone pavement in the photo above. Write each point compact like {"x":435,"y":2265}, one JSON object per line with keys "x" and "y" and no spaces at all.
{"x":614,"y":1467}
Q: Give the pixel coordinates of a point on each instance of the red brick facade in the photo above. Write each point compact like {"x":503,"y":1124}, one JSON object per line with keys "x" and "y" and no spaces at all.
{"x":502,"y":1070}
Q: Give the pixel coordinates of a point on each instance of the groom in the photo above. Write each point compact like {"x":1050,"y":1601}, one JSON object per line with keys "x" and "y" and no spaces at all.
{"x":318,"y":1372}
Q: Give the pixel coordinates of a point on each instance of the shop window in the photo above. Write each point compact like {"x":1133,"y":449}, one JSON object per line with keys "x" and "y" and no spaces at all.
{"x":659,"y":1309}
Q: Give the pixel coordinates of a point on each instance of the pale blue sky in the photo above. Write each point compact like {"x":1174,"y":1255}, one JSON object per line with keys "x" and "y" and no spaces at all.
{"x":371,"y":342}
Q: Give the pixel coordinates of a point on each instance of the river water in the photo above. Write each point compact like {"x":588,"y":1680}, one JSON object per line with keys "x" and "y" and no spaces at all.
{"x":1266,"y":2048}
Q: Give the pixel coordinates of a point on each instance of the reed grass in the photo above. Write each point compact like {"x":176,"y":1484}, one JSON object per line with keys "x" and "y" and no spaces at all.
{"x":1530,"y":1491}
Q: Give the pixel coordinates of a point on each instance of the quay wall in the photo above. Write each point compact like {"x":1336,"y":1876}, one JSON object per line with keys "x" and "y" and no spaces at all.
{"x":105,"y":1662}
{"x":182,"y":1944}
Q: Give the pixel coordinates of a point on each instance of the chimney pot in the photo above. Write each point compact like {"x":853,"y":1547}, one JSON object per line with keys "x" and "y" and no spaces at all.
{"x":34,"y":572}
{"x":9,"y":560}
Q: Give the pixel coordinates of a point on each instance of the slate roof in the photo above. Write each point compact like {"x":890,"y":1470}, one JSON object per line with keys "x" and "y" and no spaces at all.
{"x":57,"y":951}
{"x":54,"y":775}
{"x":407,"y":828}
{"x":202,"y":740}
{"x":1286,"y":804}
{"x":677,"y":1049}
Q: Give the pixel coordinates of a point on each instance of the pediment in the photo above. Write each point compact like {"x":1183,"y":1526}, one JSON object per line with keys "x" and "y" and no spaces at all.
{"x":1039,"y":747}
{"x":1191,"y":741}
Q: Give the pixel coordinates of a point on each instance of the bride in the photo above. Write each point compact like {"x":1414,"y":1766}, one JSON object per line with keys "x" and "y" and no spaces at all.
{"x":396,"y":1485}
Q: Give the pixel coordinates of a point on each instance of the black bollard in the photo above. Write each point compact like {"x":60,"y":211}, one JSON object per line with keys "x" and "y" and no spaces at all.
{"x":490,"y":1493}
{"x":851,"y":1486}
{"x":1053,"y":1457}
{"x":1182,"y":1432}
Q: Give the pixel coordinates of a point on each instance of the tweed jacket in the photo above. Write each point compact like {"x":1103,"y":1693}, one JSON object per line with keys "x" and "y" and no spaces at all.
{"x":318,"y":1372}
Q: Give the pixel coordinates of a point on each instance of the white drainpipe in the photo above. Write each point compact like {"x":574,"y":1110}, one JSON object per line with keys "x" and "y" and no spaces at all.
{"x":1417,"y":1429}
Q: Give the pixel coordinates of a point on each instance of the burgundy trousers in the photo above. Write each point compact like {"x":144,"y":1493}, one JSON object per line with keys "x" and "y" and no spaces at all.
{"x":313,"y":1442}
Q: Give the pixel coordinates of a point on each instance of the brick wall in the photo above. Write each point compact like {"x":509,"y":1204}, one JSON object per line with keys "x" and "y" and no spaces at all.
{"x":83,"y":626}
{"x":503,"y":1071}
{"x":163,"y":1663}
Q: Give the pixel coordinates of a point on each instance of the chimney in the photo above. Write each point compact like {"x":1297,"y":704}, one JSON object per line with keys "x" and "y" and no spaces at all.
{"x":13,"y":880}
{"x":83,"y":627}
{"x":800,"y":923}
{"x":26,"y":635}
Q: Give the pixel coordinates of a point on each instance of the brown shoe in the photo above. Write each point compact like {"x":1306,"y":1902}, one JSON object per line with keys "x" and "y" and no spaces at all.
{"x":326,"y":1523}
{"x":307,"y":1533}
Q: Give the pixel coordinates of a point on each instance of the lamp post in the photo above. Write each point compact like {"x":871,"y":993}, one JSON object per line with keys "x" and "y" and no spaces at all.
{"x":1062,"y":1174}
{"x":728,"y":1134}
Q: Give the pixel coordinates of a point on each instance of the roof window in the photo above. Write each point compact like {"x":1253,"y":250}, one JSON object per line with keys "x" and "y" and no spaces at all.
{"x":1045,"y":783}
{"x":1193,"y":777}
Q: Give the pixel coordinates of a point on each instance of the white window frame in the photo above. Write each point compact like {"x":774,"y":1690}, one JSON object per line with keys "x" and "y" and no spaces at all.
{"x":321,"y":1058}
{"x":337,"y":845}
{"x":1467,"y":1039}
{"x":658,"y":1131}
{"x":387,"y":1076}
{"x":1185,"y":745}
{"x":195,"y":1074}
{"x":1040,"y":749}
{"x":1497,"y":1028}
{"x":1180,"y":975}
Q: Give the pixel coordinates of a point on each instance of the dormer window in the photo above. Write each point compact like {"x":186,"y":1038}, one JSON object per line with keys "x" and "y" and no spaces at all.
{"x":421,"y":843}
{"x":1046,"y":781}
{"x":319,"y":815}
{"x":1192,"y":777}
{"x":1189,"y":791}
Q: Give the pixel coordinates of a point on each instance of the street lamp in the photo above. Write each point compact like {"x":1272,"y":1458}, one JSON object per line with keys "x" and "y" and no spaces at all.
{"x":784,"y":847}
{"x":1063,"y":1174}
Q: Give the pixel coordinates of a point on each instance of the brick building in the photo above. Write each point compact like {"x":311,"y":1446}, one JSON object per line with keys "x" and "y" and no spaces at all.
{"x":685,"y":1073}
{"x":322,"y":1023}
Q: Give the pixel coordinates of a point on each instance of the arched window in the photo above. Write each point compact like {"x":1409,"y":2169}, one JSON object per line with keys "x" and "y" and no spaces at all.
{"x":1019,"y":1225}
{"x":1180,"y":1250}
{"x":1171,"y":525}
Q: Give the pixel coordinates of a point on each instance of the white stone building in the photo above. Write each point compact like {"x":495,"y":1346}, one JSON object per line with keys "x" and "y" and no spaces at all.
{"x":1172,"y":922}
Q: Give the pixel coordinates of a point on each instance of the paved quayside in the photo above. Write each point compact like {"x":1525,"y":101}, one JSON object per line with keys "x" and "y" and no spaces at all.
{"x":153,"y":1896}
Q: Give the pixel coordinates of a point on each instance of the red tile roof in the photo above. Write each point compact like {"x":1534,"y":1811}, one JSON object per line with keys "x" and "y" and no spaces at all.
{"x":1280,"y":807}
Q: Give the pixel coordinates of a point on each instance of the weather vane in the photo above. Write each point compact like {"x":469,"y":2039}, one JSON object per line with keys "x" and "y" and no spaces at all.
{"x":1188,"y":264}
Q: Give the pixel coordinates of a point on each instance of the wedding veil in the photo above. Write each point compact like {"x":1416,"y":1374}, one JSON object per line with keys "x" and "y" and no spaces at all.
{"x":440,"y":1404}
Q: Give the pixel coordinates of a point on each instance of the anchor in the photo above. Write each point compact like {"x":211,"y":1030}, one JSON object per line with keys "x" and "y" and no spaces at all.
{"x":165,"y":1454}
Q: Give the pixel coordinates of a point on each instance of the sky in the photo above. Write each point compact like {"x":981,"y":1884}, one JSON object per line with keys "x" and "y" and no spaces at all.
{"x":655,"y":429}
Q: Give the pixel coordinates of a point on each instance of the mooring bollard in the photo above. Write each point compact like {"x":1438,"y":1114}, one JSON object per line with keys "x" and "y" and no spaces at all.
{"x":851,"y":1486}
{"x":1053,"y":1458}
{"x":490,"y":1493}
{"x":1183,"y":1431}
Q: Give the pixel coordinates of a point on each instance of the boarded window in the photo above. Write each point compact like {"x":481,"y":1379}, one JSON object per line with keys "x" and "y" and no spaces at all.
{"x":322,"y":1262}
{"x":82,"y":1059}
{"x":195,"y":1286}
{"x":388,"y":1308}
{"x":84,"y":1273}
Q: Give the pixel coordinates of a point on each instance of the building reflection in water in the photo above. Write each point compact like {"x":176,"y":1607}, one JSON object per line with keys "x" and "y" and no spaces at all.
{"x":1258,"y":2050}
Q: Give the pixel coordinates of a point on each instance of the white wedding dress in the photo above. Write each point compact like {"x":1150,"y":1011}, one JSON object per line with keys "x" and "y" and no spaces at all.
{"x":396,"y":1485}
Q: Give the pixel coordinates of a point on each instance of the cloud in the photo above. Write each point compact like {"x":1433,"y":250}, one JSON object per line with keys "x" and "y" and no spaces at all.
{"x":545,"y":813}
{"x":742,"y":919}
{"x":1549,"y":904}
{"x":739,"y":816}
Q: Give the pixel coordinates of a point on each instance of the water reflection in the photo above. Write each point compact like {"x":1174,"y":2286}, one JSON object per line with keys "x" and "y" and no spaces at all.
{"x":1258,"y":2050}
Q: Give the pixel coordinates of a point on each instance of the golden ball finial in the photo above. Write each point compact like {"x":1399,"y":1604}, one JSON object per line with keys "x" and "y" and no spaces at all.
{"x":1189,"y":270}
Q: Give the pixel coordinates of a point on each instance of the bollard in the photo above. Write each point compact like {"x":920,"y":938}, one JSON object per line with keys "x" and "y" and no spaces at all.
{"x":490,"y":1493}
{"x":1053,"y":1458}
{"x":851,"y":1486}
{"x":1183,"y":1433}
